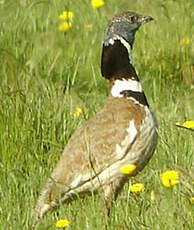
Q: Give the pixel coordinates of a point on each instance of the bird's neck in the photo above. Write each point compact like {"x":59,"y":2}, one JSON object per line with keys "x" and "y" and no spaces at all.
{"x":129,"y":89}
{"x":117,"y":60}
{"x":117,"y":66}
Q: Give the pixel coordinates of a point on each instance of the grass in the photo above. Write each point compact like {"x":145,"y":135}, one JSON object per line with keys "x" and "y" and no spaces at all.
{"x":46,"y":74}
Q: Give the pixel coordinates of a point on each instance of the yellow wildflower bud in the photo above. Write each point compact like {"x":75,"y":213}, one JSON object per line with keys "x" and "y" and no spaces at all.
{"x":169,"y":178}
{"x":188,"y":124}
{"x":128,"y":169}
{"x":97,"y":3}
{"x":66,"y":15}
{"x":62,"y":223}
{"x":78,"y":112}
{"x":136,"y":188}
{"x":65,"y":26}
{"x":88,"y":26}
{"x":191,"y":199}
{"x":152,"y":195}
{"x":185,"y":41}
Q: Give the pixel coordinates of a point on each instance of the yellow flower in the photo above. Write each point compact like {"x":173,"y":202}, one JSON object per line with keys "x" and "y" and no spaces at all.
{"x":97,"y":3}
{"x":188,"y":124}
{"x":78,"y":112}
{"x":169,"y":178}
{"x":65,"y":26}
{"x":152,"y":195}
{"x":88,"y":26}
{"x":185,"y":41}
{"x":62,"y":223}
{"x":128,"y":169}
{"x":136,"y":188}
{"x":66,"y":15}
{"x":191,"y":199}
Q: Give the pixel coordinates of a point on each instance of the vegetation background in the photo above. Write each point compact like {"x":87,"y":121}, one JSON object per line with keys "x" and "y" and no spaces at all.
{"x":45,"y":74}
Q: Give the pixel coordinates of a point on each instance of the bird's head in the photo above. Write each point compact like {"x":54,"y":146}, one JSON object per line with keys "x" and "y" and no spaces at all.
{"x":119,"y":37}
{"x":125,"y":25}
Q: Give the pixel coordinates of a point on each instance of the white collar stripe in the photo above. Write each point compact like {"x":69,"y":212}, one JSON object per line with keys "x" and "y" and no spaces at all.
{"x":125,"y":84}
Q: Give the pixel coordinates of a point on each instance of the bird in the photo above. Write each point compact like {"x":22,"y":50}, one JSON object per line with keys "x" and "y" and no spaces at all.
{"x":123,"y":132}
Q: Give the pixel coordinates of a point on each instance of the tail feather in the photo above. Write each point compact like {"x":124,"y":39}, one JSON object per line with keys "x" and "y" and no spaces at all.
{"x":45,"y":203}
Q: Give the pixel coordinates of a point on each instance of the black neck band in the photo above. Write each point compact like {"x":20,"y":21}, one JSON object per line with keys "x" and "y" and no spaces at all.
{"x":138,"y":96}
{"x":115,"y":62}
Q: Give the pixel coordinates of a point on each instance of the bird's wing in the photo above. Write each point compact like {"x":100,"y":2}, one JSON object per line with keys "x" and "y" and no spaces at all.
{"x":103,"y":140}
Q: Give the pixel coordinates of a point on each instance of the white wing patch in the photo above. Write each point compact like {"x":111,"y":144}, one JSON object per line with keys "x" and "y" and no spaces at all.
{"x":125,"y":144}
{"x":132,"y":131}
{"x":77,"y":181}
{"x":125,"y":84}
{"x":119,"y":151}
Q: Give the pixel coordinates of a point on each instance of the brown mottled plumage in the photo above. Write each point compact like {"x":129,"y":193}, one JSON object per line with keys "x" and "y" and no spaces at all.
{"x":123,"y":132}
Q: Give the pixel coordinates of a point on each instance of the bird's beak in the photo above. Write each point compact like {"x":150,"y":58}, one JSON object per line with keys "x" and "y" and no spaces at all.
{"x":145,"y":19}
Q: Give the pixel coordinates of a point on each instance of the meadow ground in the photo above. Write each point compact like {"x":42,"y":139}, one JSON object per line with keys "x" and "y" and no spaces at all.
{"x":46,"y":74}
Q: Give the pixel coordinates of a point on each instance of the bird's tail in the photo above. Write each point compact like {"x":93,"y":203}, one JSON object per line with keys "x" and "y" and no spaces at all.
{"x":44,"y":202}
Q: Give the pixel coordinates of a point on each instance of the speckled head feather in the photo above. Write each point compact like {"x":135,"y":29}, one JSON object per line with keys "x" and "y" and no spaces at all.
{"x":125,"y":25}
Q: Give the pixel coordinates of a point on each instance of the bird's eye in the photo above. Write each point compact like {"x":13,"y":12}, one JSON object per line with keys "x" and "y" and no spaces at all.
{"x":133,"y":18}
